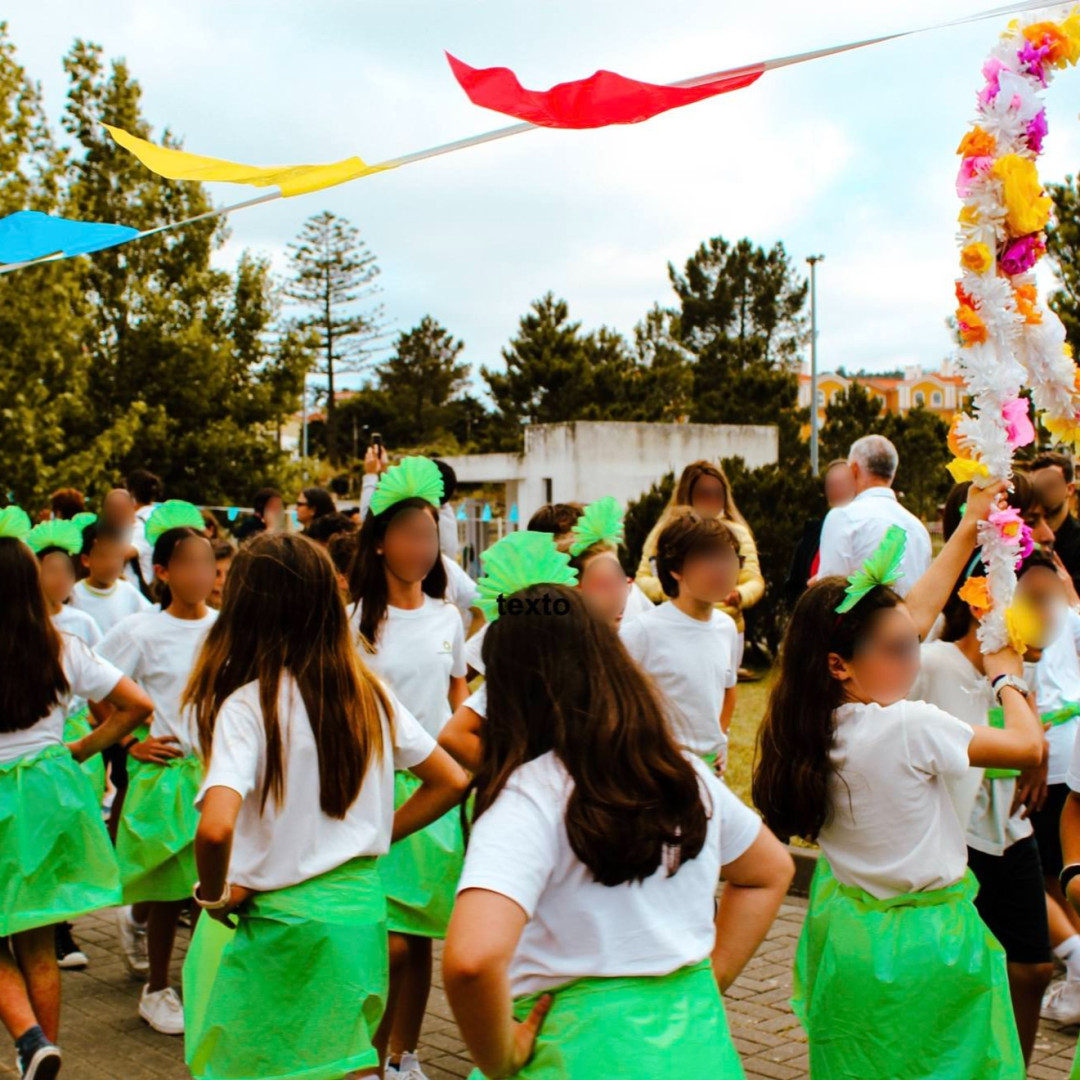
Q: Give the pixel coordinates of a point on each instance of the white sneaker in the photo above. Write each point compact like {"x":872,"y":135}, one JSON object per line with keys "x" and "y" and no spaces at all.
{"x":162,"y":1010}
{"x":408,"y":1069}
{"x":132,"y":937}
{"x":1062,"y":1002}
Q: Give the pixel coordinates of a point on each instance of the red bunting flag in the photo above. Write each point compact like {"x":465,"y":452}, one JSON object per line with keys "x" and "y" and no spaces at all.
{"x":601,"y":99}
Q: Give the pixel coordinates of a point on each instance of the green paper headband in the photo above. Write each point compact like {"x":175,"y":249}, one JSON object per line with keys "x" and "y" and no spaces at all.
{"x":14,"y":523}
{"x":882,"y":568}
{"x":83,"y":520}
{"x":173,"y":514}
{"x":412,"y":478}
{"x":601,"y":522}
{"x":65,"y":535}
{"x":517,"y":561}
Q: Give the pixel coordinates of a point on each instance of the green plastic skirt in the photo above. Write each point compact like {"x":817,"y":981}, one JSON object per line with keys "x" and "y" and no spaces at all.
{"x":297,"y":990}
{"x":421,"y":872}
{"x":77,"y":726}
{"x":155,"y":838}
{"x":56,"y":862}
{"x":647,"y":1027}
{"x":905,"y":988}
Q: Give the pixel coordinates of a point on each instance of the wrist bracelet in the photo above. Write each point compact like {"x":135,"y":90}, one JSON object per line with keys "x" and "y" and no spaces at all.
{"x":213,"y":905}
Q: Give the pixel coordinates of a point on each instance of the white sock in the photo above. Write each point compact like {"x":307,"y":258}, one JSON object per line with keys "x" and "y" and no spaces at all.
{"x":1068,"y":952}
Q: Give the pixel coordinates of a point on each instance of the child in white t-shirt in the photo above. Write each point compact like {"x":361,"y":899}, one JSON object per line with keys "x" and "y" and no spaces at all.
{"x":585,"y":940}
{"x":156,"y":824}
{"x":414,"y":640}
{"x":847,"y":761}
{"x":103,"y":593}
{"x":292,"y":827}
{"x":688,"y":646}
{"x":56,"y":862}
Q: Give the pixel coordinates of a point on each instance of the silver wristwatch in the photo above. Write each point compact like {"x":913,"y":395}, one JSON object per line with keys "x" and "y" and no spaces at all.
{"x":1014,"y":681}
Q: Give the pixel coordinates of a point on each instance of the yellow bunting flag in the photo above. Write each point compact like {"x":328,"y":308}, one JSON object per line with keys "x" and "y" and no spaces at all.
{"x":291,"y":179}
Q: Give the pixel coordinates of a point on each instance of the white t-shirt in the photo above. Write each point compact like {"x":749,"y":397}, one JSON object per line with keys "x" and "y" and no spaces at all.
{"x":89,"y":677}
{"x":893,"y":828}
{"x":417,"y":652}
{"x":1057,"y":683}
{"x":693,"y":662}
{"x":477,"y":701}
{"x":578,"y":927}
{"x":474,"y":649}
{"x":71,"y":620}
{"x":461,"y":590}
{"x":295,"y":841}
{"x":108,"y":606}
{"x":142,"y":545}
{"x":158,"y":651}
{"x":949,"y":680}
{"x":851,"y":534}
{"x":448,"y":534}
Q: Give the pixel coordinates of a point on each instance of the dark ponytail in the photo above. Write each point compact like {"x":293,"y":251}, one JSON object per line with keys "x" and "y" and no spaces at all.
{"x":794,"y":766}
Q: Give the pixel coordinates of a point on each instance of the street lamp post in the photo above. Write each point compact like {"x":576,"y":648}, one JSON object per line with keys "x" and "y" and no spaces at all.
{"x":304,"y":445}
{"x":813,"y":260}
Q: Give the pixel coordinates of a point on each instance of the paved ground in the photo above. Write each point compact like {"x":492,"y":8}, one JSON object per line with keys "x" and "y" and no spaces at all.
{"x":104,"y":1039}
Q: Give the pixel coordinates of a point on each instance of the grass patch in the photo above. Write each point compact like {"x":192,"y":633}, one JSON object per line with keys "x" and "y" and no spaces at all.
{"x":749,"y":709}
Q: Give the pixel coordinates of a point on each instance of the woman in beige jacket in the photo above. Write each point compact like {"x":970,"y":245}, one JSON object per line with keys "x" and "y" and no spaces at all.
{"x":704,"y":487}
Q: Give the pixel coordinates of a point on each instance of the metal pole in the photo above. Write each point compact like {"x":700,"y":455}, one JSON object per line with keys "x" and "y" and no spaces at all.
{"x":813,"y":260}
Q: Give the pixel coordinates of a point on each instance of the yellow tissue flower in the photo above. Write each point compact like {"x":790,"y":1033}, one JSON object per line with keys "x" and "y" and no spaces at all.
{"x":964,"y":470}
{"x":1027,"y":209}
{"x":1021,"y":624}
{"x":976,"y":258}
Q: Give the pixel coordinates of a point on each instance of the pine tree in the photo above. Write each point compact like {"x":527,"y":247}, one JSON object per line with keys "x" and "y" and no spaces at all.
{"x":333,"y":272}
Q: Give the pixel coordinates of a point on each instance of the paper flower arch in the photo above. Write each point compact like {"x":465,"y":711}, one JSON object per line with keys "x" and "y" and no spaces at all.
{"x":1009,"y":338}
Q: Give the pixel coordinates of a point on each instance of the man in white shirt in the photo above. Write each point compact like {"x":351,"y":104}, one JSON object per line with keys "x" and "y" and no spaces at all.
{"x":852,"y":533}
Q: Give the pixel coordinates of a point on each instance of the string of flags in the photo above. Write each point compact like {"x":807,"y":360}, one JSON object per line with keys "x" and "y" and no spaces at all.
{"x":600,"y":100}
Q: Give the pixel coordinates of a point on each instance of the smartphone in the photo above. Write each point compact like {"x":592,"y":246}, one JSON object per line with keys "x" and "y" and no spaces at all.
{"x":376,"y":439}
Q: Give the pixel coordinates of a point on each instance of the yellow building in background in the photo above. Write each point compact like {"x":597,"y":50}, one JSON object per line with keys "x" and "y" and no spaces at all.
{"x":941,"y":391}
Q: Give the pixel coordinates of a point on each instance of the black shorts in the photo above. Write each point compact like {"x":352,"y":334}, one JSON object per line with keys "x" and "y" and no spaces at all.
{"x":1047,"y":824}
{"x":1012,"y":900}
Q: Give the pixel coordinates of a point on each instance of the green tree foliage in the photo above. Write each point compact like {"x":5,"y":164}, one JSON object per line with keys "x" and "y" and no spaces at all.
{"x":143,"y":354}
{"x":334,"y":272}
{"x":1063,"y":246}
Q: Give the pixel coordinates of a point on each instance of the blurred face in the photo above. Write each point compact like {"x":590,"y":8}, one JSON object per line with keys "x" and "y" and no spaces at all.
{"x":1035,"y":519}
{"x":274,"y":512}
{"x":709,"y":576}
{"x":411,"y":545}
{"x":57,"y":576}
{"x":708,"y":497}
{"x":304,"y":511}
{"x":105,"y":563}
{"x":839,"y":486}
{"x":604,"y":585}
{"x":886,"y":660}
{"x":191,"y":571}
{"x":118,"y":508}
{"x":1044,"y":593}
{"x":221,"y":572}
{"x":1052,"y":488}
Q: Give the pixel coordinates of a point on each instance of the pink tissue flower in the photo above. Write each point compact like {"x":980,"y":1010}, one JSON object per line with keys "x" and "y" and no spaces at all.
{"x":1036,"y":131}
{"x":1018,"y":427}
{"x":1021,"y":254}
{"x":1027,"y":545}
{"x":970,"y":168}
{"x":1009,"y":525}
{"x":1031,"y":58}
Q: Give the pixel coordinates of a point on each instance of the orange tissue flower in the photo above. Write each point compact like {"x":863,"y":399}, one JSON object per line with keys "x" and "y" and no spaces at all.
{"x":972,"y":328}
{"x":977,"y":143}
{"x":1026,"y":297}
{"x":975,"y":592}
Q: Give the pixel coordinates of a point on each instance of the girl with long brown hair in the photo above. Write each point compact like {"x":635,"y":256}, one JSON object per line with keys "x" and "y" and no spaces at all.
{"x":414,"y":640}
{"x":301,"y":743}
{"x":895,"y":975}
{"x":56,"y":861}
{"x":585,"y":931}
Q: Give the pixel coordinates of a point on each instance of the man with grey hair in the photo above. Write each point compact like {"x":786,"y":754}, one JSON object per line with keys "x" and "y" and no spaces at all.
{"x":851,"y":533}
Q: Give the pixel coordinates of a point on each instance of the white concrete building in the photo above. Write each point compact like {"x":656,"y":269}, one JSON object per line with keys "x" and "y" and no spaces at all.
{"x":585,"y":459}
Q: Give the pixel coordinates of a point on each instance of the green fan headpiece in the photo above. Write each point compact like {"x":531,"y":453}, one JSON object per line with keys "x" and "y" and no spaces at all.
{"x":173,"y":514}
{"x":517,"y":561}
{"x":81,"y":521}
{"x":412,"y":478}
{"x":601,"y":522}
{"x":14,"y":523}
{"x":65,"y":535}
{"x":882,"y":568}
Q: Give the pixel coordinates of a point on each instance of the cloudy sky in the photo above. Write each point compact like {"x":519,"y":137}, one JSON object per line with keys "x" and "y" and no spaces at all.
{"x":851,"y":156}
